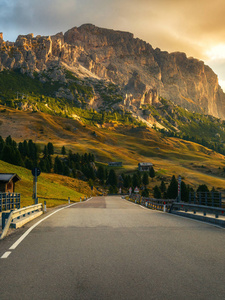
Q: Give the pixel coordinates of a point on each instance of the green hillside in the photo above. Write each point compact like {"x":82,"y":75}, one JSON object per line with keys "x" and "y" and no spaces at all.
{"x":50,"y":187}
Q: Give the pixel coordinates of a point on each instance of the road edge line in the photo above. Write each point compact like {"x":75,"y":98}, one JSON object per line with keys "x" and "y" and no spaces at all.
{"x":36,"y":224}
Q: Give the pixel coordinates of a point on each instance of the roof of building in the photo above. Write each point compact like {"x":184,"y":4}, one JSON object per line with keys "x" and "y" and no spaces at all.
{"x":7,"y":177}
{"x":145,"y":164}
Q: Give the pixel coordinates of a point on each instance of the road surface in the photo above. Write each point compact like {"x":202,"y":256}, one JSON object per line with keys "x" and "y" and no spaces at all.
{"x":109,"y":248}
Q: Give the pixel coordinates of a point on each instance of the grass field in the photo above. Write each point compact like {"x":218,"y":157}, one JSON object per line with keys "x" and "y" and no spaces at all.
{"x":170,"y":156}
{"x":49,"y":188}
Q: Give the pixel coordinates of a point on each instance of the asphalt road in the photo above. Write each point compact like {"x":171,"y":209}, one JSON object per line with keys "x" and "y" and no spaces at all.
{"x":108,"y":248}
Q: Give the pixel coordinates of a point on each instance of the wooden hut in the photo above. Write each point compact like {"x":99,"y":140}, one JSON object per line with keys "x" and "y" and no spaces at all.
{"x":7,"y":182}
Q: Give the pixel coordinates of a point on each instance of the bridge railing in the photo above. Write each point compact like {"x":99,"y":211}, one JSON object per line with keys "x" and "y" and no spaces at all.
{"x":18,"y":214}
{"x":9,"y":201}
{"x":213,"y":199}
{"x":159,"y":204}
{"x":195,"y":208}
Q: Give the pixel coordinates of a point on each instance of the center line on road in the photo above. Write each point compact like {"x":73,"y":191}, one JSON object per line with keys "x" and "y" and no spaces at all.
{"x":6,"y":254}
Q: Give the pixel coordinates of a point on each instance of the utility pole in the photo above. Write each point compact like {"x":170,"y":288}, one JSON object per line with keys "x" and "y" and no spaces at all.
{"x":179,"y":188}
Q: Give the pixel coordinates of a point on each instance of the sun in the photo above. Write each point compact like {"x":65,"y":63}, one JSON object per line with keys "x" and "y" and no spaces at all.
{"x":216,"y":52}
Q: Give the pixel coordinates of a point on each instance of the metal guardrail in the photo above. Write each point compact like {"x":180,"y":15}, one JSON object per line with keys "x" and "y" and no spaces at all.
{"x":159,"y":204}
{"x":178,"y":206}
{"x":9,"y":201}
{"x":17,"y":214}
{"x":183,"y":209}
{"x":213,"y":199}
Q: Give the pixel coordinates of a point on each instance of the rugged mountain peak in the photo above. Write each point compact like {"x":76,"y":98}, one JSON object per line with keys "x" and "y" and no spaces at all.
{"x":93,"y":36}
{"x":1,"y":37}
{"x":140,"y":71}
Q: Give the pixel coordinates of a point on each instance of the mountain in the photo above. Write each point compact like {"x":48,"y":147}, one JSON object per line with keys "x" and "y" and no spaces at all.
{"x":113,"y":70}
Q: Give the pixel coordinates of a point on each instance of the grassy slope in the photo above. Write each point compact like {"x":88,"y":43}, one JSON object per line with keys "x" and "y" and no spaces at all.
{"x":50,"y":186}
{"x":195,"y":163}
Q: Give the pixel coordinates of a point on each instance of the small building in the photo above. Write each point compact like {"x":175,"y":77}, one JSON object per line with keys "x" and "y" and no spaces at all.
{"x":144,"y":166}
{"x":7,"y":182}
{"x":115,"y":164}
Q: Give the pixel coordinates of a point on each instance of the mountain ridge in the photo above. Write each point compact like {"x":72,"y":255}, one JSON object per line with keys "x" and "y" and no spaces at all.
{"x":142,"y":73}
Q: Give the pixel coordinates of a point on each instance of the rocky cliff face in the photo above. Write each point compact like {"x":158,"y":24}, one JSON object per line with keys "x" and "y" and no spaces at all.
{"x":142,"y":72}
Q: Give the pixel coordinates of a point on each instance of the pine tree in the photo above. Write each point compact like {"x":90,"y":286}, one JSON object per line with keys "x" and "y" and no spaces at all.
{"x":101,"y":174}
{"x":172,"y":191}
{"x":50,"y":148}
{"x":66,"y":170}
{"x":145,"y":193}
{"x":127,"y":181}
{"x":42,"y":165}
{"x":9,"y":141}
{"x":58,"y":166}
{"x":7,"y":154}
{"x":63,"y":150}
{"x":45,"y":151}
{"x":17,"y":158}
{"x":156,"y":192}
{"x":162,"y":187}
{"x":32,"y":151}
{"x":91,"y":173}
{"x":25,"y":149}
{"x":112,"y":178}
{"x":145,"y":179}
{"x":135,"y":181}
{"x":2,"y":144}
{"x":202,"y":188}
{"x":184,"y":192}
{"x":152,"y":173}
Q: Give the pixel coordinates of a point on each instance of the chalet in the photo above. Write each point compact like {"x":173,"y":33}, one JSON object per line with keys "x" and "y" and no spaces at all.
{"x":115,"y":164}
{"x":7,"y":182}
{"x":144,"y":166}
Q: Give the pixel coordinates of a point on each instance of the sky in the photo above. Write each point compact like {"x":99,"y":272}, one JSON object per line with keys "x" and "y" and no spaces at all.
{"x":196,"y":27}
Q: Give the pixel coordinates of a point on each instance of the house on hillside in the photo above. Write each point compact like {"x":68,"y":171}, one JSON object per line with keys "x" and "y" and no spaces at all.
{"x":115,"y":164}
{"x":7,"y":182}
{"x":144,"y":166}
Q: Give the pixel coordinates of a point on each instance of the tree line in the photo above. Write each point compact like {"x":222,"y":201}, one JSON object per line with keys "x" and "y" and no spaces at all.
{"x":29,"y":155}
{"x":215,"y":146}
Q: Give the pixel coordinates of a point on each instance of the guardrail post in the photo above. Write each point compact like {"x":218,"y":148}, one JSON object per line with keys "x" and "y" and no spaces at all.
{"x":8,"y":202}
{"x":212,"y":196}
{"x":68,"y":200}
{"x":5,"y":216}
{"x":45,"y":209}
{"x":80,"y":199}
{"x":164,"y":207}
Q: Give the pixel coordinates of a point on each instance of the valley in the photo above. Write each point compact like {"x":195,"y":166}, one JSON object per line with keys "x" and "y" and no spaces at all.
{"x":104,"y":92}
{"x":130,"y":145}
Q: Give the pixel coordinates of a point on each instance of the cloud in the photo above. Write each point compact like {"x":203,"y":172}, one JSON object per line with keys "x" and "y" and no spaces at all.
{"x":190,"y":26}
{"x":37,"y":16}
{"x":166,"y":24}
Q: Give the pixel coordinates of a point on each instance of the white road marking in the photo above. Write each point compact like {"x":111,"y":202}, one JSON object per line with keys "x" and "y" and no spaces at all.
{"x":32,"y":227}
{"x":6,"y":254}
